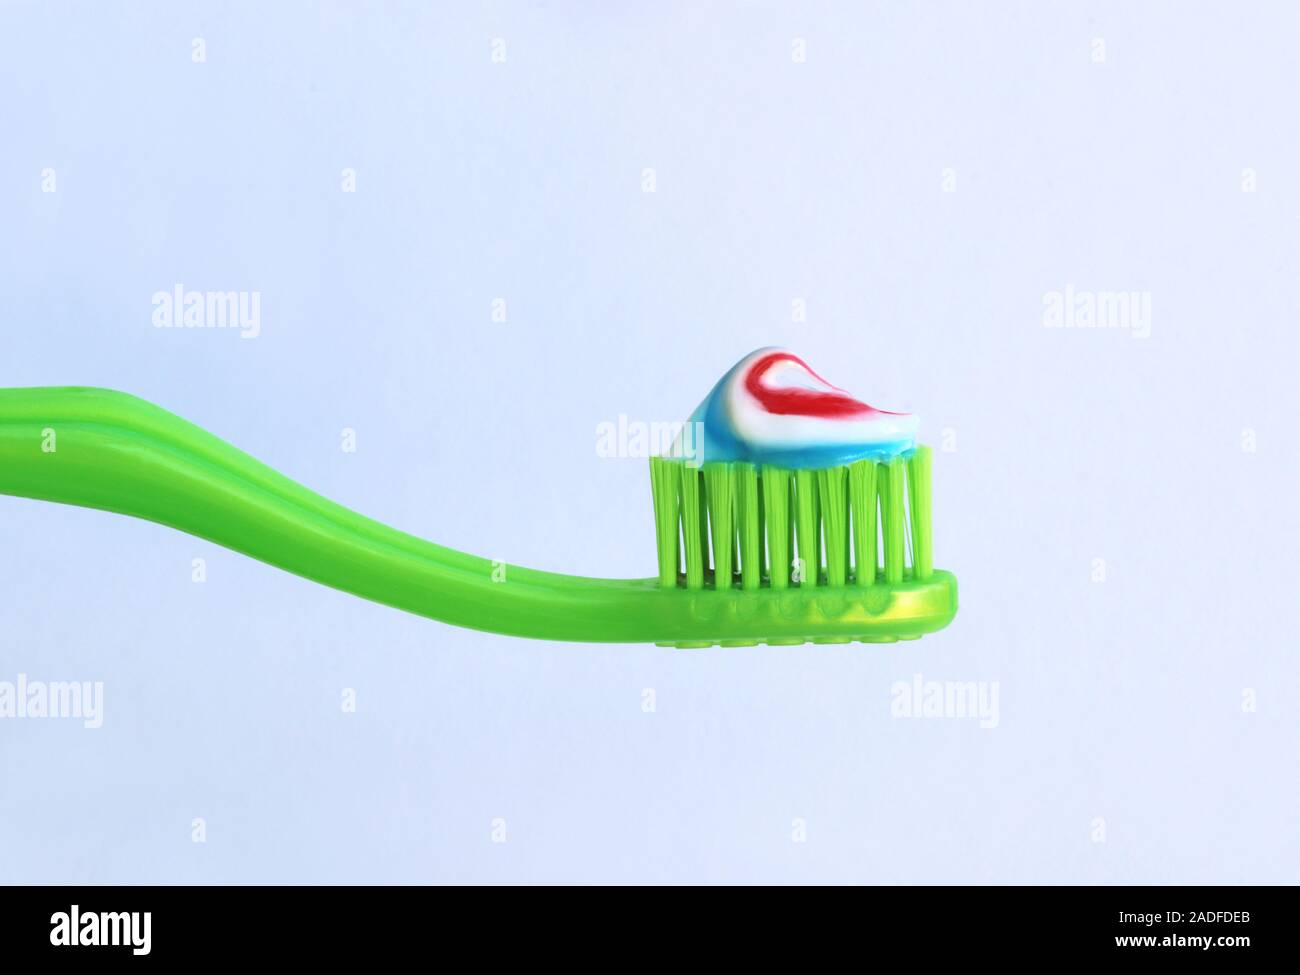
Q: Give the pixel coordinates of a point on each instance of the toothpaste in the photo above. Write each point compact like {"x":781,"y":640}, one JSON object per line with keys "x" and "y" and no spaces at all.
{"x":771,"y":408}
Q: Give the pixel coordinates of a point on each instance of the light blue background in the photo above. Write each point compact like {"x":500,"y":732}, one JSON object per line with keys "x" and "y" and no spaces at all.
{"x":775,"y":180}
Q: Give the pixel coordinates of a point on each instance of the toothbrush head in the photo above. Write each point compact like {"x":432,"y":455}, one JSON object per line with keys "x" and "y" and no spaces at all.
{"x":801,"y":498}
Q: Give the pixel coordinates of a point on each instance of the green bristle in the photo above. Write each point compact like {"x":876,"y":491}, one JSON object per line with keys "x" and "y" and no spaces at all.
{"x":776,"y":509}
{"x":890,"y":476}
{"x":748,"y":525}
{"x":664,"y":485}
{"x":693,"y":527}
{"x":835,"y":523}
{"x":790,"y":551}
{"x":846,"y":521}
{"x":862,"y":498}
{"x":819,"y":560}
{"x":805,"y":500}
{"x":918,"y":486}
{"x":718,"y":479}
{"x":704,"y":518}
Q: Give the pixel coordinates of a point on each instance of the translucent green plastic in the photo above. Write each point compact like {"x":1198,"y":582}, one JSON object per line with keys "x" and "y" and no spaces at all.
{"x":109,"y":450}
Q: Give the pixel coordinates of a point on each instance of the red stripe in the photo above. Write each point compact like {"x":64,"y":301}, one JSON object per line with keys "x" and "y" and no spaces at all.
{"x":800,"y":402}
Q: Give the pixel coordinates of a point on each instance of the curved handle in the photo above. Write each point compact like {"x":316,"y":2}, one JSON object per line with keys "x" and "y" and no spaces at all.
{"x":104,"y":449}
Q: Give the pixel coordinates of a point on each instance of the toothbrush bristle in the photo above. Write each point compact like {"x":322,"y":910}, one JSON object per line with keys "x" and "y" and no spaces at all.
{"x":749,"y":518}
{"x":740,"y":526}
{"x":892,"y":525}
{"x":776,"y":489}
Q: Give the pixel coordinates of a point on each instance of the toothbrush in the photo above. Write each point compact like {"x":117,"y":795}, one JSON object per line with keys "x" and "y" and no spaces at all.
{"x":767,"y":534}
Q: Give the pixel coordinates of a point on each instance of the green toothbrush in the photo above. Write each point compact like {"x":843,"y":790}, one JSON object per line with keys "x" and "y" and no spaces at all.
{"x":108,"y":450}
